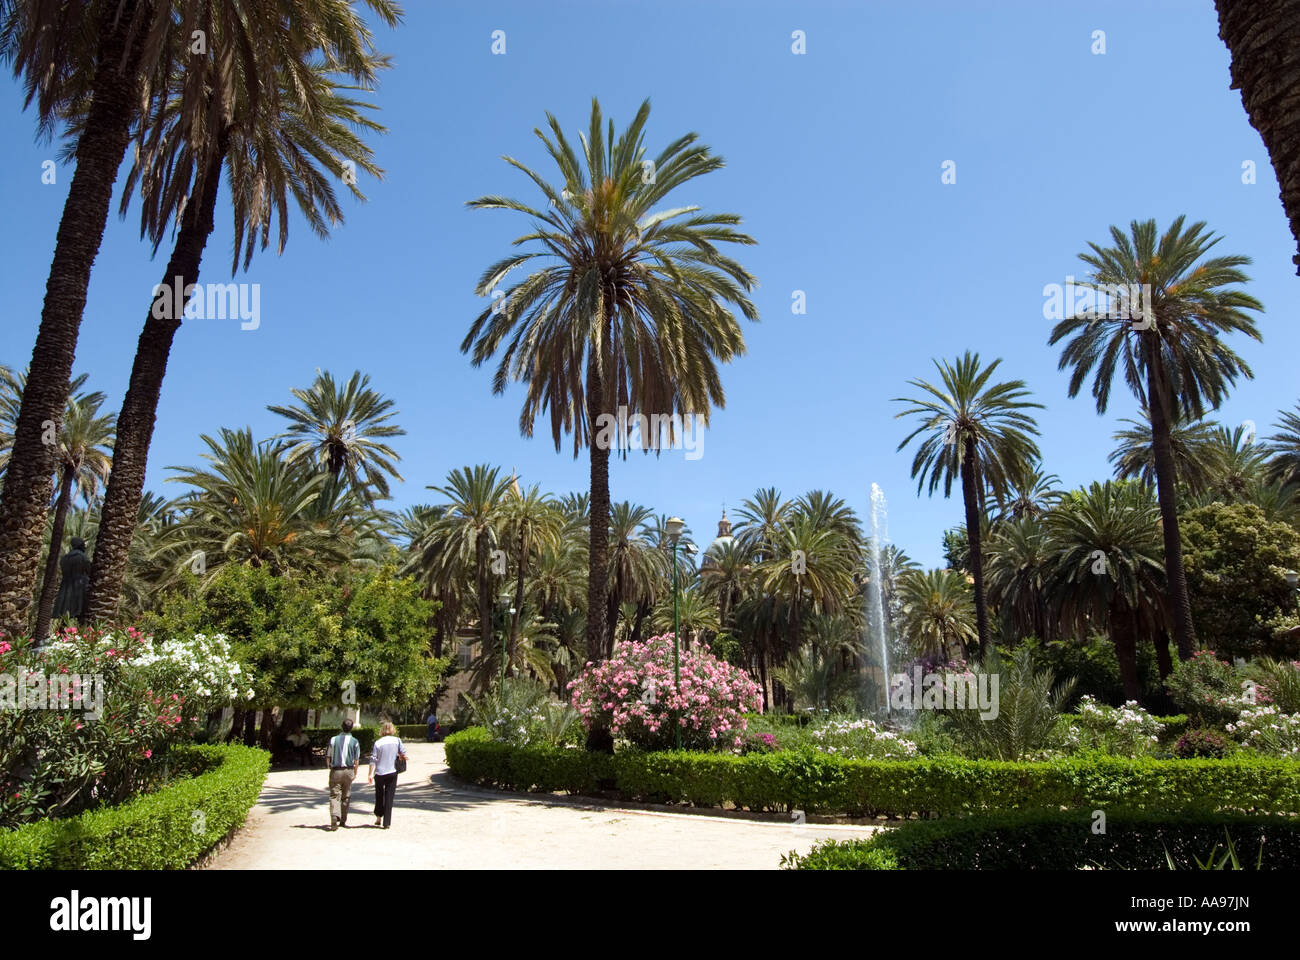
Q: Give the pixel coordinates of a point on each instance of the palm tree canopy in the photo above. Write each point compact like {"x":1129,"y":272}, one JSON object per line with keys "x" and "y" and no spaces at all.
{"x":641,"y":295}
{"x":967,"y":407}
{"x":1193,"y":300}
{"x":342,"y":428}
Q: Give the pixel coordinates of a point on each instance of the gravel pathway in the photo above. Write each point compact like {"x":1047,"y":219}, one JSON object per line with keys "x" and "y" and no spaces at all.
{"x":439,"y":823}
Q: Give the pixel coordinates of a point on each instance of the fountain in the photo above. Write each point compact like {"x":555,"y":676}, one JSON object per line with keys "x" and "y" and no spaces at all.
{"x":875,"y":582}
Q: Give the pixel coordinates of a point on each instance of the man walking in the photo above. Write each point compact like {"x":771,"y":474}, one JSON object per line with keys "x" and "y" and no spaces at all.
{"x":345,"y":757}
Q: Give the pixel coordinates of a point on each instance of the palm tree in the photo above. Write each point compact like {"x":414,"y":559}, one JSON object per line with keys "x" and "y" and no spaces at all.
{"x":251,"y":506}
{"x":270,"y":148}
{"x":977,"y":430}
{"x":112,"y":60}
{"x":762,"y":520}
{"x":937,"y":618}
{"x":469,"y":530}
{"x":84,"y":449}
{"x":11,"y":398}
{"x":1107,"y":572}
{"x":341,"y":428}
{"x":1134,"y":457}
{"x":695,"y":614}
{"x":1285,"y":447}
{"x":531,"y":522}
{"x":725,"y":575}
{"x":1030,"y":492}
{"x":624,"y":304}
{"x":1233,"y":463}
{"x":1018,"y":555}
{"x":1262,"y":36}
{"x":1173,"y":358}
{"x":639,"y":568}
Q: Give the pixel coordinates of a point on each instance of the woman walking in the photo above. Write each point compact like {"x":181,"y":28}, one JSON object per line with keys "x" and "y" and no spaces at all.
{"x":387,"y":760}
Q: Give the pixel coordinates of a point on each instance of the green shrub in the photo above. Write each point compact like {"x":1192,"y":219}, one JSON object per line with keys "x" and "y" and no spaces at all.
{"x":1207,"y":689}
{"x":928,"y":786}
{"x":1203,"y":743}
{"x":166,"y":830}
{"x":413,"y":731}
{"x":1059,"y":841}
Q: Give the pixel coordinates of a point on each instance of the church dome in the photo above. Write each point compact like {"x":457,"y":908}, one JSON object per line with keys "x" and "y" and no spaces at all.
{"x":724,"y":536}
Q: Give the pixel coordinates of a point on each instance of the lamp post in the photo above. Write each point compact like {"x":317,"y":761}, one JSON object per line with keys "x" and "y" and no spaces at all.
{"x":674,"y":529}
{"x":505,"y":633}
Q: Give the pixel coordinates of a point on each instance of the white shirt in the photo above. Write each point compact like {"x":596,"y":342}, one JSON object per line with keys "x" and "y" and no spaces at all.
{"x":384,"y":755}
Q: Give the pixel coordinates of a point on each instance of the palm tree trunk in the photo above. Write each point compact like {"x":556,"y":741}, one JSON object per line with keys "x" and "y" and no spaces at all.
{"x":140,"y":408}
{"x":1166,"y":493}
{"x":28,"y":477}
{"x":519,"y":587}
{"x":50,"y":585}
{"x":598,"y":738}
{"x":1122,"y":635}
{"x":971,"y":496}
{"x":1264,"y":38}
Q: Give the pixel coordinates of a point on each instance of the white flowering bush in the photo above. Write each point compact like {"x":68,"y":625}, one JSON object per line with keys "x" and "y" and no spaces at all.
{"x":1268,"y":730}
{"x":1125,"y":731}
{"x":522,"y":713}
{"x":202,"y":668}
{"x":860,"y":738}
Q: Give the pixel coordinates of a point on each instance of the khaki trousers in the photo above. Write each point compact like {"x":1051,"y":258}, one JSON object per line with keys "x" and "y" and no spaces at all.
{"x":340,"y":794}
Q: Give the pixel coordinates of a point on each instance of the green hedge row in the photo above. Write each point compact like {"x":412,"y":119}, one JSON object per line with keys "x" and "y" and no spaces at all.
{"x":320,"y":737}
{"x":413,"y":731}
{"x":937,"y":786}
{"x":1062,"y":841}
{"x":166,"y":830}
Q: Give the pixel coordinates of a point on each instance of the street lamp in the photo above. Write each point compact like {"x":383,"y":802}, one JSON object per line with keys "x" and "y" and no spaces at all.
{"x":505,"y":633}
{"x":674,"y":530}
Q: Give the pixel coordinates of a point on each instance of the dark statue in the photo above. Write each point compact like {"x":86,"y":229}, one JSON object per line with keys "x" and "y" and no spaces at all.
{"x":75,"y":567}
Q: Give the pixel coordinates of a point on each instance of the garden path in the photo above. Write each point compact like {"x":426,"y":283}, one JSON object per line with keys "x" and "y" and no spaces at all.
{"x":440,"y":823}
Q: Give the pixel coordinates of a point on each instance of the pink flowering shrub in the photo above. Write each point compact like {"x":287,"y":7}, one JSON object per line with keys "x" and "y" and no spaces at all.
{"x":634,"y":694}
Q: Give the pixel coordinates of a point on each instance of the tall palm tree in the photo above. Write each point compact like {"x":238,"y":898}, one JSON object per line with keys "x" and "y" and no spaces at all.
{"x":11,"y":398}
{"x":85,"y":443}
{"x":1233,"y":463}
{"x":725,"y":575}
{"x":113,"y":60}
{"x":269,"y":148}
{"x":976,"y":430}
{"x":1107,"y":572}
{"x":937,"y":618}
{"x":624,"y":304}
{"x":1173,"y":357}
{"x":470,"y":529}
{"x":1264,"y":39}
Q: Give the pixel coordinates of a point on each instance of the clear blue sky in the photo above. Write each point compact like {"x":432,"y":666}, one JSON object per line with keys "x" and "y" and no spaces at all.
{"x":834,"y":161}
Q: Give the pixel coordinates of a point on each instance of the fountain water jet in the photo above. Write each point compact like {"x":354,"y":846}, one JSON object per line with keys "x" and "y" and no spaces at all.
{"x":875,"y":581}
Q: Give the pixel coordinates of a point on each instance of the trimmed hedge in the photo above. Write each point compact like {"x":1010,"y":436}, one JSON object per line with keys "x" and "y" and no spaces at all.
{"x":1061,"y":841}
{"x":166,"y":830}
{"x":934,"y":786}
{"x":413,"y":731}
{"x":319,"y":737}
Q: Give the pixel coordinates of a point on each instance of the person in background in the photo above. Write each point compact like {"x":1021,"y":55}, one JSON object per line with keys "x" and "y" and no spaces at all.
{"x":432,"y":721}
{"x":345,"y":758}
{"x":383,"y":772}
